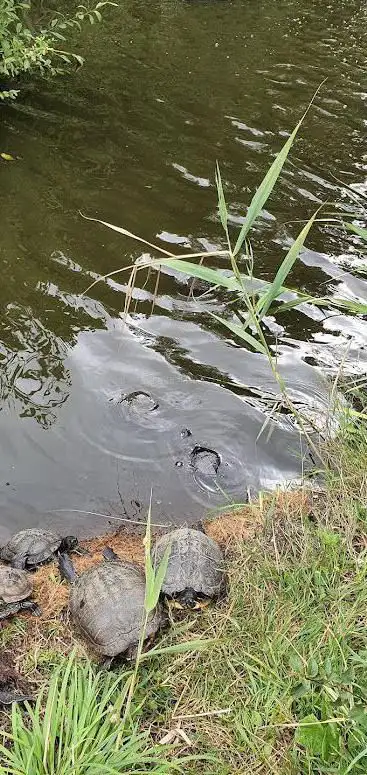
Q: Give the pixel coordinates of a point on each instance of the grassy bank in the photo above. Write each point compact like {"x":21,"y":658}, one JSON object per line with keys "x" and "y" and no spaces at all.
{"x":283,"y":688}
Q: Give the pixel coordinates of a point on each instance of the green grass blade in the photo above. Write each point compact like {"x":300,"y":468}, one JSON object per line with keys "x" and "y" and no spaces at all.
{"x":357,"y":230}
{"x":264,"y":190}
{"x":160,"y":574}
{"x":180,"y":648}
{"x":211,"y":276}
{"x":240,"y":331}
{"x":356,"y":307}
{"x":276,"y":286}
{"x":222,"y":205}
{"x":149,"y":570}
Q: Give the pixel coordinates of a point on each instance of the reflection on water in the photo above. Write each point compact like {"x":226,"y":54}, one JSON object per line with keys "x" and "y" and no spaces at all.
{"x":133,"y":139}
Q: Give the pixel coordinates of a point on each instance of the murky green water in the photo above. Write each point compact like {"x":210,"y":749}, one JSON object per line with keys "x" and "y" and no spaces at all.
{"x":168,"y":88}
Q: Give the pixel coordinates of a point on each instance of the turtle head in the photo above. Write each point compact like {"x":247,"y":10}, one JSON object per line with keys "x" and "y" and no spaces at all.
{"x":68,"y":544}
{"x":188,"y":598}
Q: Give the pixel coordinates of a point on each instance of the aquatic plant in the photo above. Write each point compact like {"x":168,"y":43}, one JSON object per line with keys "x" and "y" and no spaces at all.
{"x":251,"y":299}
{"x":256,"y":298}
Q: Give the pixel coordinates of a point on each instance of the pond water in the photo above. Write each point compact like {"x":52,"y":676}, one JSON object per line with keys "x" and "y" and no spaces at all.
{"x":95,"y":413}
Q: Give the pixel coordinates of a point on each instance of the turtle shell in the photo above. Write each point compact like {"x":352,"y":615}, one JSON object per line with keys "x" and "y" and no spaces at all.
{"x":107,"y":604}
{"x":15,"y":584}
{"x":32,"y":546}
{"x":195,"y":562}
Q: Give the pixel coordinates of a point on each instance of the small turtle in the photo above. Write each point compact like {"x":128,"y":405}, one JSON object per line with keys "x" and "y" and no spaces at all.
{"x":34,"y":546}
{"x":15,"y":589}
{"x":194,"y":573}
{"x":205,"y":461}
{"x":107,"y":604}
{"x":140,"y":402}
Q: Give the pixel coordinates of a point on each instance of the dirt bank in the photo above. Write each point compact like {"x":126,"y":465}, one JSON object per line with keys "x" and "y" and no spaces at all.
{"x":33,"y":643}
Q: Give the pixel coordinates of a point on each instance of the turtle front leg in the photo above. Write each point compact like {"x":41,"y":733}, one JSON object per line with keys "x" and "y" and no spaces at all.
{"x":8,"y":609}
{"x":30,"y":605}
{"x":8,"y":696}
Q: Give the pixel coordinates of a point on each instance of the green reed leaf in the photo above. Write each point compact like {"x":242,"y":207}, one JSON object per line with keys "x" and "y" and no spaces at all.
{"x":240,"y":331}
{"x":276,"y":287}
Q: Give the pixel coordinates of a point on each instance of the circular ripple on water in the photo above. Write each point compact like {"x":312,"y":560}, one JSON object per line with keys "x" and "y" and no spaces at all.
{"x":140,"y":403}
{"x":205,"y":464}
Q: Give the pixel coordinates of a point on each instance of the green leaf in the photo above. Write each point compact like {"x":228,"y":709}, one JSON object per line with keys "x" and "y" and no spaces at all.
{"x":296,"y":663}
{"x":211,"y":276}
{"x":160,"y":575}
{"x":357,"y":230}
{"x":222,"y":206}
{"x":314,"y":736}
{"x":312,"y":668}
{"x":263,"y":192}
{"x":7,"y":156}
{"x":301,"y":689}
{"x":153,"y":577}
{"x":328,"y":668}
{"x":276,"y":286}
{"x":180,"y":648}
{"x":240,"y":331}
{"x":358,"y":714}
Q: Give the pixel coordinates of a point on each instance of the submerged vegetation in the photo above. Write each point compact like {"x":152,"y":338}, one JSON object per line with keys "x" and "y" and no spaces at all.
{"x":29,"y":43}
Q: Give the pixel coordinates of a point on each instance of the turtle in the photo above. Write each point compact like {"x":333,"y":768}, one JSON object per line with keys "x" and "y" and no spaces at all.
{"x":195,"y":572}
{"x":15,"y":589}
{"x":205,"y":461}
{"x":34,"y":546}
{"x":107,"y":604}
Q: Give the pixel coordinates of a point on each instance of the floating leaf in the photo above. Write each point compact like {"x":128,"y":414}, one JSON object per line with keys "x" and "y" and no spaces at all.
{"x":7,"y":156}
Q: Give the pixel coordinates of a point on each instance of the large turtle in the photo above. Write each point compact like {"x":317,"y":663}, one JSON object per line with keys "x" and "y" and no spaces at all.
{"x":195,"y":572}
{"x":107,"y":604}
{"x":34,"y":546}
{"x":15,"y":589}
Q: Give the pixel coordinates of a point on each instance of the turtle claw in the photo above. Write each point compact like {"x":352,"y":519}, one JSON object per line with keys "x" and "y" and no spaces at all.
{"x":82,"y":551}
{"x":110,"y":555}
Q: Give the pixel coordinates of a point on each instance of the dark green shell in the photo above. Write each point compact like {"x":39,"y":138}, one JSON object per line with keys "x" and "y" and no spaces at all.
{"x":107,"y":604}
{"x":33,"y":546}
{"x":195,"y":562}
